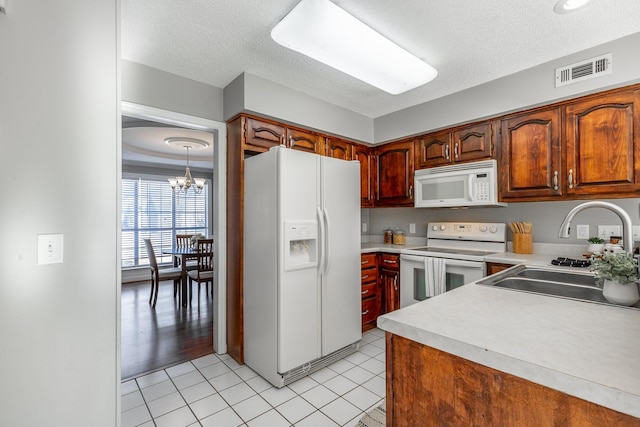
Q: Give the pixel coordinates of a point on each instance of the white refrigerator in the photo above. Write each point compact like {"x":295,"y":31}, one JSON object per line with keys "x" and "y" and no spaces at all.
{"x":302,"y":300}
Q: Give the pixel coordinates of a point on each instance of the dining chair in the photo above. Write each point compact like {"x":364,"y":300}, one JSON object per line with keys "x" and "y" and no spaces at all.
{"x":204,"y":271}
{"x":184,"y":241}
{"x":159,"y":274}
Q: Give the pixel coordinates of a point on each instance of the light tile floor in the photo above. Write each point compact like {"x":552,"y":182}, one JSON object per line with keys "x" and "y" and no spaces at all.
{"x":215,"y":391}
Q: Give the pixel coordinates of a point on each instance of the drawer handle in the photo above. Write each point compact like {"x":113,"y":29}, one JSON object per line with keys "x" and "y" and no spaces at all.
{"x":366,"y":291}
{"x":555,"y":180}
{"x":365,"y":312}
{"x":570,"y":178}
{"x":364,"y":262}
{"x":366,"y":276}
{"x":388,"y":261}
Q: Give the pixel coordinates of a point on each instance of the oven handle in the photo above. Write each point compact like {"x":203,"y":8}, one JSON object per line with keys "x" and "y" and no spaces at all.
{"x":450,"y":262}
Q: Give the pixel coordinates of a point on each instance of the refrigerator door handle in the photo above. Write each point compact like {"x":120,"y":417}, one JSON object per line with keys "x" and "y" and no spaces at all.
{"x":321,"y":241}
{"x":326,"y":241}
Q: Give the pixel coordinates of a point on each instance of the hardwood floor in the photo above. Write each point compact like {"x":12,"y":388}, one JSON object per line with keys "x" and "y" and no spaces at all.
{"x":170,"y":334}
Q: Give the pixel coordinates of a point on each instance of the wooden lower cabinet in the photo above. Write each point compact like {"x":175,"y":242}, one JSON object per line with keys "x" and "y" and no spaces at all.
{"x":370,"y":291}
{"x":495,"y":267}
{"x":429,"y":387}
{"x":389,"y":268}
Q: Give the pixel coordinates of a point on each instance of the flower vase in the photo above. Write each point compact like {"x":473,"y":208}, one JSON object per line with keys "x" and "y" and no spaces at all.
{"x":622,"y":294}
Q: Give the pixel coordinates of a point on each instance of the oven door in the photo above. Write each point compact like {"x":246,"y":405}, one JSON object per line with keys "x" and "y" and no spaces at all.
{"x":412,"y":278}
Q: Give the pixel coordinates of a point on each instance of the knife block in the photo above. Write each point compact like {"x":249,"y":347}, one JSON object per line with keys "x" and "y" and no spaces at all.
{"x":522,"y":243}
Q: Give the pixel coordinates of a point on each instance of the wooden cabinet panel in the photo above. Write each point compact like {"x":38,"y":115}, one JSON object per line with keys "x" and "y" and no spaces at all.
{"x":338,"y":149}
{"x":441,"y":389}
{"x":496,"y":267}
{"x":368,"y":260}
{"x":603,"y":142}
{"x":390,"y":284}
{"x":389,"y":261}
{"x":260,"y":136}
{"x":364,"y":155}
{"x":395,"y":174}
{"x":371,"y":298}
{"x":530,"y":155}
{"x":473,"y":143}
{"x":370,"y":313}
{"x":305,"y":141}
{"x":460,"y":145}
{"x":433,"y":150}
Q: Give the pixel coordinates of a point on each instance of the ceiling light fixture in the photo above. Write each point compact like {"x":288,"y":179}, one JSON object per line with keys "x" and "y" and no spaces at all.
{"x":327,"y":33}
{"x":181,"y":184}
{"x":568,"y":6}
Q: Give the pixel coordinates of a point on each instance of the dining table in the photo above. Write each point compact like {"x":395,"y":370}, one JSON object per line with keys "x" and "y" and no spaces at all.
{"x":182,"y":254}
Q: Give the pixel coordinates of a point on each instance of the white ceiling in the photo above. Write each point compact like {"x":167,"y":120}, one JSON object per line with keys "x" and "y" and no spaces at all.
{"x":468,"y":42}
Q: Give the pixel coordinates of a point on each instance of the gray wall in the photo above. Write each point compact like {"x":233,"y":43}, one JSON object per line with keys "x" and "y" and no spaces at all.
{"x":545,"y":216}
{"x":249,"y":93}
{"x":59,"y":121}
{"x":518,"y":91}
{"x":149,"y":86}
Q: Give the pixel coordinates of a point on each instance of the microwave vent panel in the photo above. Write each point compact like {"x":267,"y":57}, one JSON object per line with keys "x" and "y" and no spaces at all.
{"x":584,"y":70}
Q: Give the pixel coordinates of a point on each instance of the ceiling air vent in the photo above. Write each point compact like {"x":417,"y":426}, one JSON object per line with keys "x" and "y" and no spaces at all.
{"x":584,"y":70}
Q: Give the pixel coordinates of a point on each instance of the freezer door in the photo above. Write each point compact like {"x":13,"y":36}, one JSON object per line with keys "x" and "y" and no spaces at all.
{"x":341,"y":297}
{"x":298,"y":288}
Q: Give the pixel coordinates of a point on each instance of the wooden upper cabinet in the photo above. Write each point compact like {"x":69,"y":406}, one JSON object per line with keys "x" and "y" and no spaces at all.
{"x":364,"y":155}
{"x":394,"y":174}
{"x":530,"y":163}
{"x":433,"y":150}
{"x":338,"y":149}
{"x":458,"y":145}
{"x":473,"y":143}
{"x":305,"y":141}
{"x":603,"y":144}
{"x":260,"y":136}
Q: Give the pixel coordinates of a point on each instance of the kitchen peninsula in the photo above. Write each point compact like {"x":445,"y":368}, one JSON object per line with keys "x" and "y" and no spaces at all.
{"x":480,"y":355}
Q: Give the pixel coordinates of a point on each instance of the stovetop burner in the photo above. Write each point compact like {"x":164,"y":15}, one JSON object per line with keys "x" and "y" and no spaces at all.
{"x":571,"y":262}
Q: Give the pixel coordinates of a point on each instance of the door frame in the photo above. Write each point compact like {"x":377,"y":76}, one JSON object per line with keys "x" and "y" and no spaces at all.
{"x":219,"y":131}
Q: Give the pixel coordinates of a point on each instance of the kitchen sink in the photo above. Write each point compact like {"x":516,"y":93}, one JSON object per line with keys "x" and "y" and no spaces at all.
{"x":578,"y":285}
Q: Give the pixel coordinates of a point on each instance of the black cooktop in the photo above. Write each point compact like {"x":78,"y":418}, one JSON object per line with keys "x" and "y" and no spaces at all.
{"x":571,"y":262}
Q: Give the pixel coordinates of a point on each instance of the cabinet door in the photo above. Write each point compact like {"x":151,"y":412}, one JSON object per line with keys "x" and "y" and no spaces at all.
{"x":433,"y":150}
{"x":530,"y":156}
{"x":472,"y":143}
{"x":390,"y":283}
{"x":260,"y":136}
{"x":603,"y":144}
{"x":364,"y":155}
{"x":395,"y":174}
{"x":338,"y":149}
{"x":305,"y":141}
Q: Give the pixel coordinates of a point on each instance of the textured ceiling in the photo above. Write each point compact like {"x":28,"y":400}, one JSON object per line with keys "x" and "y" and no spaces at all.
{"x":468,"y":42}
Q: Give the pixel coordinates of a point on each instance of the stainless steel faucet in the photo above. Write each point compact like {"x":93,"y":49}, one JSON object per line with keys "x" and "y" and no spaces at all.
{"x":627,"y":226}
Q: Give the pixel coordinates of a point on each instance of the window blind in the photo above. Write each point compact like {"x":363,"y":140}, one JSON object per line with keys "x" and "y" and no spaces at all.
{"x":151,"y":209}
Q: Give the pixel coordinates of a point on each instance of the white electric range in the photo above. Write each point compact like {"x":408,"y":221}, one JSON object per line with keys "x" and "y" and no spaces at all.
{"x":454,"y":256}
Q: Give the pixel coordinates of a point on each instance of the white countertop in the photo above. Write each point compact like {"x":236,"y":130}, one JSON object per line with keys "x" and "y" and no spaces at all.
{"x":590,"y":351}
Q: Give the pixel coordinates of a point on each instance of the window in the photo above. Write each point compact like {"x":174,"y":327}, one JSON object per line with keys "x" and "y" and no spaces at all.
{"x":150,"y":209}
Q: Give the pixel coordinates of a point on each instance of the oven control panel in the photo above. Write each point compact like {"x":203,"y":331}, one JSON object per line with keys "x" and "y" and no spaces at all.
{"x":488,"y":231}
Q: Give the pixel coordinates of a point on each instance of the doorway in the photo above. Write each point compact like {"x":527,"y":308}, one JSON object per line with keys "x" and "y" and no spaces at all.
{"x":218,"y":129}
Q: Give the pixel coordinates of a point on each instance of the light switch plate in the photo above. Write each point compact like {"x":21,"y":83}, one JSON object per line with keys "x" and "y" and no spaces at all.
{"x":636,"y":233}
{"x":364,"y":227}
{"x":50,"y":248}
{"x":582,"y":231}
{"x":412,"y":228}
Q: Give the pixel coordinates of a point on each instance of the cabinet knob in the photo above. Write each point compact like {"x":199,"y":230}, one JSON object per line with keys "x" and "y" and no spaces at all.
{"x":446,"y":152}
{"x":455,"y":150}
{"x":555,"y":180}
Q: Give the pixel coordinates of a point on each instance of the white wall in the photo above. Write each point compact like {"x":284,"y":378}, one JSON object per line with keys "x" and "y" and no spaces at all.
{"x":516,"y":92}
{"x":59,"y":161}
{"x":155,"y":88}
{"x":253,"y":94}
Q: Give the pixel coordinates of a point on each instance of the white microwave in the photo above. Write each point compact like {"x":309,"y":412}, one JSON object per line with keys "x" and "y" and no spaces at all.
{"x":460,"y":185}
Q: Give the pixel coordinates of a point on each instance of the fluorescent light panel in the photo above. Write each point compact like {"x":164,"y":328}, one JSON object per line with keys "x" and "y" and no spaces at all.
{"x":327,"y":33}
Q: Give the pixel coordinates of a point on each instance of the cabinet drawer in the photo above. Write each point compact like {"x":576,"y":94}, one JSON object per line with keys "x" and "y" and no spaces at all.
{"x":370,"y":310}
{"x":368,"y":260}
{"x":369,"y":290}
{"x":369,"y":275}
{"x":390,"y":262}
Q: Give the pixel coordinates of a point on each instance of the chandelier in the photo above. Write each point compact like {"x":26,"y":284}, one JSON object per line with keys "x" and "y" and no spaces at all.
{"x":181,"y":184}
